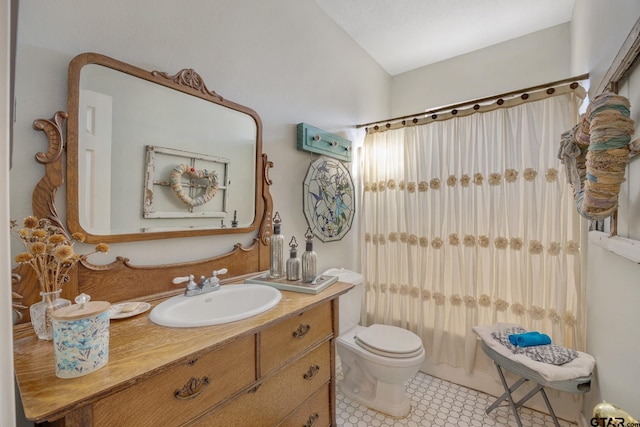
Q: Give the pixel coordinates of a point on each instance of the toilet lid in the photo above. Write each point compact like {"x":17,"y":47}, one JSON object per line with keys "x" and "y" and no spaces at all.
{"x":389,"y":341}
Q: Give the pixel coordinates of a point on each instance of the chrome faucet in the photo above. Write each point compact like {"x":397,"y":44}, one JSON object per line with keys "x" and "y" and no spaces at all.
{"x":206,"y":284}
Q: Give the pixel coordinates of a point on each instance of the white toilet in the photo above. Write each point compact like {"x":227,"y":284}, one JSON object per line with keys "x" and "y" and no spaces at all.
{"x":376,"y":360}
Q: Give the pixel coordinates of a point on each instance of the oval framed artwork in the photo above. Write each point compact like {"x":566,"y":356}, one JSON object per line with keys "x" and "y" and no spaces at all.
{"x":328,"y":199}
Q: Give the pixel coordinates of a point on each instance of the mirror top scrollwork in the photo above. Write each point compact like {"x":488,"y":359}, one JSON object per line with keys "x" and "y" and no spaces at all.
{"x":154,"y":155}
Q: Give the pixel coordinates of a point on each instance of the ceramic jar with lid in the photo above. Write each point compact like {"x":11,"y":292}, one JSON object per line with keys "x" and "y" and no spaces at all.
{"x":81,"y":337}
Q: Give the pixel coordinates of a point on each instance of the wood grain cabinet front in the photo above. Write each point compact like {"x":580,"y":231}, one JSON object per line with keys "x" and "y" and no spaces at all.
{"x":293,"y":336}
{"x":314,"y":412}
{"x":280,"y":394}
{"x":182,"y":391}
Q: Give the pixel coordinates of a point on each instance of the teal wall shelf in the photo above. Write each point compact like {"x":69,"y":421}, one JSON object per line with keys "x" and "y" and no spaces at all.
{"x":321,"y":142}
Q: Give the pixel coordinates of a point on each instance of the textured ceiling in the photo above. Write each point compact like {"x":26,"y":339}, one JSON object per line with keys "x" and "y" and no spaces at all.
{"x":405,"y":34}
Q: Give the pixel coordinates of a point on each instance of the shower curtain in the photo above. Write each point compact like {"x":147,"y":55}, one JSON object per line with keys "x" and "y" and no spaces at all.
{"x":470,"y":221}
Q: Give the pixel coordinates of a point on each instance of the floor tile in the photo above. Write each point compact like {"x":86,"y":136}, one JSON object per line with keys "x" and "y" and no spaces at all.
{"x":436,"y":402}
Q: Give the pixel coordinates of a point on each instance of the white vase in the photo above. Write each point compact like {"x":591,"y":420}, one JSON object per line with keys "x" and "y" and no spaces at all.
{"x":41,"y":313}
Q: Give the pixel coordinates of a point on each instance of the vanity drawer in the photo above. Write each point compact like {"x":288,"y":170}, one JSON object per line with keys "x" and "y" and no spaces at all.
{"x":292,"y":336}
{"x":279,"y":395}
{"x":183,"y":391}
{"x":314,"y":412}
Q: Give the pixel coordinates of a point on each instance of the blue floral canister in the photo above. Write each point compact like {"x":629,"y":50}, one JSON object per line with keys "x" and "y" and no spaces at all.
{"x":81,"y":337}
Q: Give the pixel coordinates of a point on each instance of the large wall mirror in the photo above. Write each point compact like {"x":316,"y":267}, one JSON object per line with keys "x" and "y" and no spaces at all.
{"x":153,"y":155}
{"x":127,"y":131}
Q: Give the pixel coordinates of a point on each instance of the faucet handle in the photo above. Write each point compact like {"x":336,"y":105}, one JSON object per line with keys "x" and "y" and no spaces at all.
{"x":189,"y":278}
{"x":214,"y":281}
{"x":178,"y":280}
{"x":215,"y":273}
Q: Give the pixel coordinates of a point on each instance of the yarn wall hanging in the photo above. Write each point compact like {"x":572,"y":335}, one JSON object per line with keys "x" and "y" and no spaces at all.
{"x":175,"y":180}
{"x":595,"y":154}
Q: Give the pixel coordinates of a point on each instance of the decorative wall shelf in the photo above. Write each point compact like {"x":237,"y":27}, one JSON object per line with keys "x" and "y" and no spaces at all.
{"x":626,"y":248}
{"x":321,"y":142}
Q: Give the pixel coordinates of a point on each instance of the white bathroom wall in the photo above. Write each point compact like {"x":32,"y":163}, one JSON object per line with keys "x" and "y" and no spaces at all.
{"x":613,"y":291}
{"x":283,"y":58}
{"x":537,"y":58}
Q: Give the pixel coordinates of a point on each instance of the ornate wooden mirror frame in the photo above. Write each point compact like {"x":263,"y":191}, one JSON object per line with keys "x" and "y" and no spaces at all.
{"x":121,"y":280}
{"x":152,"y":107}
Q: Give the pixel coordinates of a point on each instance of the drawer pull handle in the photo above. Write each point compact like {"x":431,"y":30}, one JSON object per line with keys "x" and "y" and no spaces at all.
{"x":312,"y":420}
{"x":192,"y":388}
{"x":301,"y":331}
{"x":313,"y":370}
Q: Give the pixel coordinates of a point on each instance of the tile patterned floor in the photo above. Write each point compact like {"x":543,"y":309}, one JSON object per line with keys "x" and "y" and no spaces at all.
{"x":436,"y":402}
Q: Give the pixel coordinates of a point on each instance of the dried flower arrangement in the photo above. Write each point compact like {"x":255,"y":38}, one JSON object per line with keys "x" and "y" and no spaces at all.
{"x":49,"y":251}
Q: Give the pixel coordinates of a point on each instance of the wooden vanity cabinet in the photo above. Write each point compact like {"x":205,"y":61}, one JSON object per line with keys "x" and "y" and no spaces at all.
{"x":275,"y":369}
{"x":296,"y":362}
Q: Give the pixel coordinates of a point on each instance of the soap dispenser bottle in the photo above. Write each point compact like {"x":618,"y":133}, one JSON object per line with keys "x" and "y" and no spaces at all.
{"x":293,"y":263}
{"x":276,"y":250}
{"x":309,"y":259}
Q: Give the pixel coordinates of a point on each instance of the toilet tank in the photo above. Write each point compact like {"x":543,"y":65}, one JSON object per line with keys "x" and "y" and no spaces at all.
{"x":351,"y":302}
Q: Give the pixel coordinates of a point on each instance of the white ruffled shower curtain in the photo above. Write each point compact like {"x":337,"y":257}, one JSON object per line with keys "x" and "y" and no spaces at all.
{"x":469,"y":221}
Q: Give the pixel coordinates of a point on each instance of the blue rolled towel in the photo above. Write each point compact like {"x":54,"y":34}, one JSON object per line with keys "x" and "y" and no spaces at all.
{"x":529,"y":339}
{"x":513,"y":338}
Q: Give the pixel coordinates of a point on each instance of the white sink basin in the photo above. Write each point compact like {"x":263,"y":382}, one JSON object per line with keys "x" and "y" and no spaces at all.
{"x":227,"y":304}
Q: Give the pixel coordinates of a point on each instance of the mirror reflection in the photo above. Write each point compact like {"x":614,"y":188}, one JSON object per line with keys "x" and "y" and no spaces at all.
{"x":153,"y":159}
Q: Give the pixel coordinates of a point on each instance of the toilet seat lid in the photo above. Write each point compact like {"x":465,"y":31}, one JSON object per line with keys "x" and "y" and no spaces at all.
{"x":389,"y":341}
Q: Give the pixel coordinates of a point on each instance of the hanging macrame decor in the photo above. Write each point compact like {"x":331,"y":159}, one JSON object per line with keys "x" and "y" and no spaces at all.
{"x":595,"y":154}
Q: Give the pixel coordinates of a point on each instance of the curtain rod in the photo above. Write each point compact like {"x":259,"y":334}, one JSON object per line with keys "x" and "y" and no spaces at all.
{"x":480,"y":100}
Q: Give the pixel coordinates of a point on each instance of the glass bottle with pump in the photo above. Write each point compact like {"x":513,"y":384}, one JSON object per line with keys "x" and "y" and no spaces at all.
{"x":309,"y":259}
{"x":276,"y":250}
{"x":293,"y":263}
